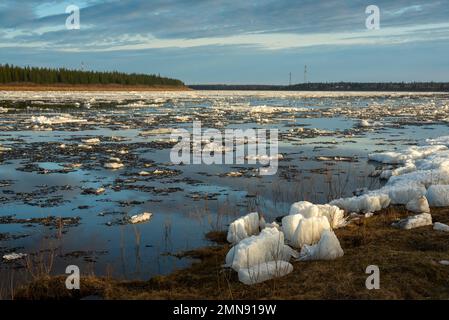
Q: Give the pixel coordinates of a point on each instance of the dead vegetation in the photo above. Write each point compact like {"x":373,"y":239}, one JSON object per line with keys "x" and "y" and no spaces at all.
{"x":408,"y":261}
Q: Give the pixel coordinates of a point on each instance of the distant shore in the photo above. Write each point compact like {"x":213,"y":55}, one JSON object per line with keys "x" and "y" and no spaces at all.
{"x":83,"y":87}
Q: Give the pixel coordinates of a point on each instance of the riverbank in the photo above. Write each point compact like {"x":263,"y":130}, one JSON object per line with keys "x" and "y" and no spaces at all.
{"x":113,"y":87}
{"x":408,"y":261}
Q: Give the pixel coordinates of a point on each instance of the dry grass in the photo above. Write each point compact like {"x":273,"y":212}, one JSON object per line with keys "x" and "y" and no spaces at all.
{"x":408,"y":262}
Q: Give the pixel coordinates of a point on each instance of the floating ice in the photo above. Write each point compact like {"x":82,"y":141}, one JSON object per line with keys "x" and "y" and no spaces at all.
{"x":142,"y":217}
{"x":267,"y":246}
{"x":14,"y":256}
{"x":419,"y":220}
{"x":264,"y":271}
{"x":438,"y":195}
{"x":113,"y":165}
{"x":328,"y":248}
{"x":91,"y":141}
{"x":55,"y":120}
{"x":440,"y":227}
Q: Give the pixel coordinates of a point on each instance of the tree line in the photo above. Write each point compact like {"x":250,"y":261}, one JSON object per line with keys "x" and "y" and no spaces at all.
{"x":10,"y":74}
{"x":338,"y":86}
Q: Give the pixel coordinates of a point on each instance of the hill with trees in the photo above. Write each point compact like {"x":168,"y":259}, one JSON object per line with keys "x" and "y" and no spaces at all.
{"x":10,"y":74}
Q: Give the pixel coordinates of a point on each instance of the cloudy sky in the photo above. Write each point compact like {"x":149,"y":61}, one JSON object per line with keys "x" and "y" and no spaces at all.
{"x":224,"y":41}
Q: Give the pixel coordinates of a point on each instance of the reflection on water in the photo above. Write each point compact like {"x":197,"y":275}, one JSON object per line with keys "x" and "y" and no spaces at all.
{"x":39,"y":178}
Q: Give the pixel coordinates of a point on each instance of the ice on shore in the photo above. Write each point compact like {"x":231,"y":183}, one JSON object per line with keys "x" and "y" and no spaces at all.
{"x":91,"y":141}
{"x":440,"y":227}
{"x":328,"y":248}
{"x":419,"y":205}
{"x":438,"y":195}
{"x":290,"y":224}
{"x":419,"y":220}
{"x":411,"y":153}
{"x":333,"y":213}
{"x":264,"y":247}
{"x":264,"y":271}
{"x":364,"y":203}
{"x":243,"y":227}
{"x":309,"y":231}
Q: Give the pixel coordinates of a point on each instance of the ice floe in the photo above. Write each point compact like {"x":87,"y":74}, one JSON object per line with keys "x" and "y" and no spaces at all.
{"x":14,"y":256}
{"x":55,"y":120}
{"x":139,"y":218}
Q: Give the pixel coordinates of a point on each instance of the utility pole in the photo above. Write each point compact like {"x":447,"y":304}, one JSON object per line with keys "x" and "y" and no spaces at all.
{"x":305,"y":73}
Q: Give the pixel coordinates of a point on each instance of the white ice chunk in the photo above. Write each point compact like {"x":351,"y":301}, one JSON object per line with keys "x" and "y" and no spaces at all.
{"x":267,"y":246}
{"x":419,"y":220}
{"x":113,"y":165}
{"x":328,"y":248}
{"x":309,"y":231}
{"x":142,"y":217}
{"x":264,"y":271}
{"x":364,"y":203}
{"x":419,"y":205}
{"x":438,"y":195}
{"x":289,"y":225}
{"x":440,"y":227}
{"x":14,"y":256}
{"x":333,"y":213}
{"x":243,"y":227}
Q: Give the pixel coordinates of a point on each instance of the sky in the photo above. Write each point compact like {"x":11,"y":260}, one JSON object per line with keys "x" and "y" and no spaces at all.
{"x":233,"y":42}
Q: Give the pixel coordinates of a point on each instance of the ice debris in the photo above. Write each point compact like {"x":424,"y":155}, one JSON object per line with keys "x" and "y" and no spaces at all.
{"x":440,"y":227}
{"x":419,"y":220}
{"x":419,"y":205}
{"x":14,"y":256}
{"x":328,"y":248}
{"x":438,"y":195}
{"x":244,"y":227}
{"x":264,"y":271}
{"x":265,"y":247}
{"x":142,"y":217}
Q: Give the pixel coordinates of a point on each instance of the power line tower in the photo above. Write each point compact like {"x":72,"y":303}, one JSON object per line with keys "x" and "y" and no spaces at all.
{"x":305,"y":73}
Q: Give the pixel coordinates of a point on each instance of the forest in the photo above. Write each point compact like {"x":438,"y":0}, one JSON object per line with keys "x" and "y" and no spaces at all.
{"x":10,"y":74}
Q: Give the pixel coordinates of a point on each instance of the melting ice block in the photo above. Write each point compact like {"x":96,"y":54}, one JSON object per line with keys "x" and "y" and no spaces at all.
{"x":440,"y":227}
{"x":438,"y":195}
{"x":419,"y":205}
{"x":419,"y":220}
{"x":243,"y":227}
{"x":328,"y":248}
{"x":138,"y":218}
{"x":309,"y":231}
{"x":264,"y":271}
{"x":267,"y":246}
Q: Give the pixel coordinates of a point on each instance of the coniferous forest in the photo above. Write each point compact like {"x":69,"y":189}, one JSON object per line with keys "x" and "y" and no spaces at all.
{"x":10,"y":74}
